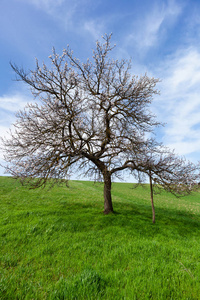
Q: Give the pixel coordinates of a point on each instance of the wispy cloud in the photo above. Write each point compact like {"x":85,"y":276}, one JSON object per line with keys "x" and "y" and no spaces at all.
{"x":179,"y":103}
{"x":150,"y":29}
{"x":186,"y":71}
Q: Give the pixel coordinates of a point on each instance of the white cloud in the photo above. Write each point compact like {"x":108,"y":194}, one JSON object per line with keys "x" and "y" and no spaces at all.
{"x":179,"y":103}
{"x":9,"y":105}
{"x":4,"y":134}
{"x":186,"y":71}
{"x":14,"y":102}
{"x":146,"y":31}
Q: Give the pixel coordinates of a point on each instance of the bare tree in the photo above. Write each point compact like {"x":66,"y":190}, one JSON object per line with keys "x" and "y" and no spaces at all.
{"x":93,"y":115}
{"x":166,"y":171}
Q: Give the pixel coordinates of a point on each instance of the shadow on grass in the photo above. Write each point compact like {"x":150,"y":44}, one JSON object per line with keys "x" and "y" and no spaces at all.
{"x":128,"y":218}
{"x":131,"y":218}
{"x":139,"y":218}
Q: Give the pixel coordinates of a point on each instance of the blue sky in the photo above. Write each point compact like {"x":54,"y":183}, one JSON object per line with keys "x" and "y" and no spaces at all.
{"x":161,"y":37}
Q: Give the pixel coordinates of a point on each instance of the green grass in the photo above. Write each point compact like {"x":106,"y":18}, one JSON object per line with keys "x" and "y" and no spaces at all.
{"x":57,"y":244}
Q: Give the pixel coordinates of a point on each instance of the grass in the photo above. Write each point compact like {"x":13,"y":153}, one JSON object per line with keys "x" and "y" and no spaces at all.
{"x":57,"y":244}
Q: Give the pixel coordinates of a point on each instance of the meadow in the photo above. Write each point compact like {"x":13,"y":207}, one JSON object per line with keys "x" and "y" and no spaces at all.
{"x":57,"y":243}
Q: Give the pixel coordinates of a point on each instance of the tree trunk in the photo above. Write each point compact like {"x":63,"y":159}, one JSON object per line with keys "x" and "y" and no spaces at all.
{"x":108,"y":208}
{"x":152,"y":204}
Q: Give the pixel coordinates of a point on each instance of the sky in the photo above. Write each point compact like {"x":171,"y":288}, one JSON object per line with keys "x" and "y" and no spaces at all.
{"x":161,"y":37}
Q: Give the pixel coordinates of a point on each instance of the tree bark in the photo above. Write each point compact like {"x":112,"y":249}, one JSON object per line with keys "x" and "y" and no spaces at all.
{"x":108,"y":208}
{"x":152,"y":204}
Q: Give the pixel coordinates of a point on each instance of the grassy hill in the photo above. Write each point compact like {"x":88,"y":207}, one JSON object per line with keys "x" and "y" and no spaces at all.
{"x":57,"y":244}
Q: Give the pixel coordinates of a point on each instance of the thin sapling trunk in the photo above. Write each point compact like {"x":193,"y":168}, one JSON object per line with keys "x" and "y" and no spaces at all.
{"x":152,"y":203}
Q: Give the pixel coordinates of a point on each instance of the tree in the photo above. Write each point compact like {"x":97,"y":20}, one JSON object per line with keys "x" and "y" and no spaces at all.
{"x":93,"y":115}
{"x":166,"y":171}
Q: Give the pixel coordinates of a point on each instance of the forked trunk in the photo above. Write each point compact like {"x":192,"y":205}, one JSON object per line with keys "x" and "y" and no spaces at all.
{"x":152,"y":204}
{"x":108,"y":208}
